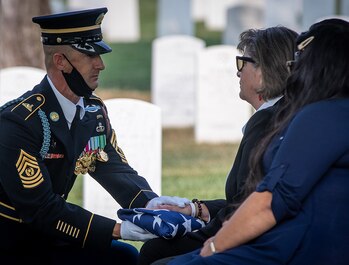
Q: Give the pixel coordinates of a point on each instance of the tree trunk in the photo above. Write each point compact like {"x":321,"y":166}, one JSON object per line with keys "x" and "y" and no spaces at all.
{"x":20,"y":38}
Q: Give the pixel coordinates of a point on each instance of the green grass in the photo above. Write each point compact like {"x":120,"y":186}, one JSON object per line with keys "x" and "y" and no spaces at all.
{"x":194,"y":170}
{"x":128,"y":66}
{"x":188,"y":169}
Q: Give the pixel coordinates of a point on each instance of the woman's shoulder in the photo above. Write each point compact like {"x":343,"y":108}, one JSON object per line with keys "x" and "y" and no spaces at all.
{"x":340,"y":105}
{"x":330,"y":114}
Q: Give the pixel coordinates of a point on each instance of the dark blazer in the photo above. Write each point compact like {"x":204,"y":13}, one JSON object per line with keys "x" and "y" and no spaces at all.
{"x":38,"y":158}
{"x":219,"y":209}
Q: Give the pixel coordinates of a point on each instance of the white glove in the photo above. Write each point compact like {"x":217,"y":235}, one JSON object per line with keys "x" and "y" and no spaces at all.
{"x":178,"y":201}
{"x":130,"y":231}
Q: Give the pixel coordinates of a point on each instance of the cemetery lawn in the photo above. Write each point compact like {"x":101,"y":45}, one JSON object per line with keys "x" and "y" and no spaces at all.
{"x":189,"y":169}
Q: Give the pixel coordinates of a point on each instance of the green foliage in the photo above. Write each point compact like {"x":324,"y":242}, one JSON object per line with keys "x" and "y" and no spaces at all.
{"x":210,"y":37}
{"x":147,"y":13}
{"x":128,"y":66}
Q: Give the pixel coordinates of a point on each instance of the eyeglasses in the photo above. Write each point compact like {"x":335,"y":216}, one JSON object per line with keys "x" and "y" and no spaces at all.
{"x":240,"y":62}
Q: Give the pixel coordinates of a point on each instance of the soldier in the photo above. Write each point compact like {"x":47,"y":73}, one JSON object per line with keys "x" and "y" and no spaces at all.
{"x":50,"y":135}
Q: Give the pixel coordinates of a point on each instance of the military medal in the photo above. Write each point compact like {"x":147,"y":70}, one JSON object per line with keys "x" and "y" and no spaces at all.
{"x":93,"y":151}
{"x":102,"y":156}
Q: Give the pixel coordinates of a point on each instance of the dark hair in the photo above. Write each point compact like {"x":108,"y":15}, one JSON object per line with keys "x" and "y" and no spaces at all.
{"x":270,"y":48}
{"x":320,"y":72}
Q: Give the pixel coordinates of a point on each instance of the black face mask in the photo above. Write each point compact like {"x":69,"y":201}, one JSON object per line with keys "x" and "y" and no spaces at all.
{"x":77,"y":83}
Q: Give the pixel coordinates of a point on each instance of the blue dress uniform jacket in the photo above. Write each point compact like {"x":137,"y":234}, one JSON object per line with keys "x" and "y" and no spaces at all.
{"x":38,"y":157}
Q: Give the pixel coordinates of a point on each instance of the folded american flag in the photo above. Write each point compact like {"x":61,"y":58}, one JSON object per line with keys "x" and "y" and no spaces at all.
{"x":161,"y":222}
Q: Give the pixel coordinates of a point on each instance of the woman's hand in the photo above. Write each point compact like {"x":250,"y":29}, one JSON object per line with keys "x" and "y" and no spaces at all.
{"x":208,"y":248}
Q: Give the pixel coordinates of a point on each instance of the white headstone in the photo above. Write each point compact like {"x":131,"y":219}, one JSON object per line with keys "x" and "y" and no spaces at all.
{"x":174,"y":65}
{"x":15,"y":81}
{"x":121,"y":23}
{"x":174,"y":17}
{"x":216,"y":17}
{"x":221,"y":113}
{"x":199,"y":9}
{"x":285,"y":13}
{"x":138,"y":129}
{"x":240,"y":18}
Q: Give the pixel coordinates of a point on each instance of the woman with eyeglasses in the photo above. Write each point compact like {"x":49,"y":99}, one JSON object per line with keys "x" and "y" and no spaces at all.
{"x":298,"y":214}
{"x":263,"y":73}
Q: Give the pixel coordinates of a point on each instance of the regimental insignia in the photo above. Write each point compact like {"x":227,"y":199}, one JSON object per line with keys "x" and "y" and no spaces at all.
{"x":28,"y":170}
{"x":114,"y":143}
{"x":29,"y":106}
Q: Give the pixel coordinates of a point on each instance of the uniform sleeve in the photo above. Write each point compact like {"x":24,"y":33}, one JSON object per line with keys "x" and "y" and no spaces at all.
{"x":315,"y":139}
{"x":27,"y":184}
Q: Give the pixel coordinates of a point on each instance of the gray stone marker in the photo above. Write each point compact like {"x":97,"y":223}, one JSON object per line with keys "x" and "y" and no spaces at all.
{"x":315,"y":9}
{"x":216,"y":17}
{"x":174,"y":67}
{"x":174,"y":17}
{"x":240,"y":18}
{"x":15,"y":81}
{"x":138,"y":129}
{"x":285,"y":13}
{"x":221,"y":113}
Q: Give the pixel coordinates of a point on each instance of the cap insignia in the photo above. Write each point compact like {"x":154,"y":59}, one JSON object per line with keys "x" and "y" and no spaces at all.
{"x":99,"y":19}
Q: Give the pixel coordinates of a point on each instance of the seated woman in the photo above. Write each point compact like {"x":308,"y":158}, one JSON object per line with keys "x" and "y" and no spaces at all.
{"x":299,"y":212}
{"x":263,"y":73}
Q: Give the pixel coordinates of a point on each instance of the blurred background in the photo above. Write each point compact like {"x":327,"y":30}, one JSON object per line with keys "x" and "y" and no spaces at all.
{"x":165,"y":52}
{"x":131,"y":25}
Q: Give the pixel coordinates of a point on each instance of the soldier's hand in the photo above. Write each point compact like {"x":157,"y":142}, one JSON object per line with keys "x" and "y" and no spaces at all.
{"x":169,"y":200}
{"x":130,"y":231}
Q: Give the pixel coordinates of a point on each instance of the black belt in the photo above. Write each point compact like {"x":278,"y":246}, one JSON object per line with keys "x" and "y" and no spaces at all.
{"x":9,"y":212}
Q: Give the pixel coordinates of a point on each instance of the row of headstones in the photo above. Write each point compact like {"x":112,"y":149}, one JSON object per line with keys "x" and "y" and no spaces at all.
{"x":230,"y":16}
{"x":198,"y":87}
{"x":137,"y":125}
{"x":234,"y":16}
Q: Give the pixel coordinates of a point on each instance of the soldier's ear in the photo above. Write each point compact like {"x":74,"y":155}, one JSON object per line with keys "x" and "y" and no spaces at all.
{"x":61,"y":62}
